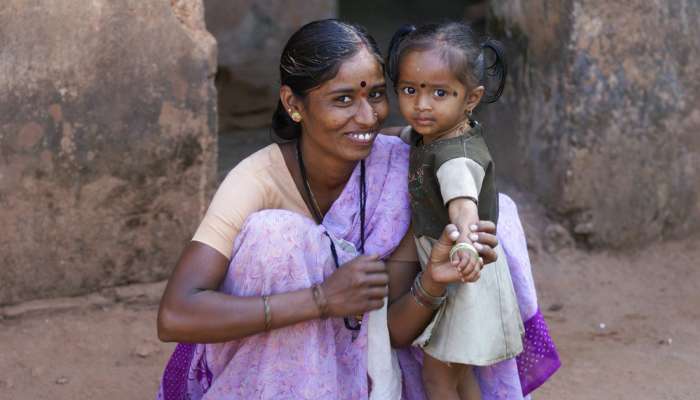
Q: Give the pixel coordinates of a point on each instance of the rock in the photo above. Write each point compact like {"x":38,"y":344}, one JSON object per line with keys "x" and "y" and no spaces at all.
{"x":62,"y":380}
{"x":596,"y":124}
{"x":108,"y":141}
{"x":556,"y":237}
{"x":146,"y":349}
{"x":251,"y":35}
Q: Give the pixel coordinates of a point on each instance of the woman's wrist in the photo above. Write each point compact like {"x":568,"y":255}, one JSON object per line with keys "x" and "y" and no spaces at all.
{"x":433,"y":288}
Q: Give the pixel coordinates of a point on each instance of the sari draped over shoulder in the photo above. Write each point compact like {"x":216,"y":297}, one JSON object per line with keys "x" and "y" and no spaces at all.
{"x":279,"y":251}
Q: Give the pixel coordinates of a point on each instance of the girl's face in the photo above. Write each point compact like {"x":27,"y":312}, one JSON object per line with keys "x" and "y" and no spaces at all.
{"x":430,"y":97}
{"x":343,"y":115}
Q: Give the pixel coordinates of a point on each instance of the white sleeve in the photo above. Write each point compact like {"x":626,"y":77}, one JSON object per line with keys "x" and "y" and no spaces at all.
{"x":460,"y":177}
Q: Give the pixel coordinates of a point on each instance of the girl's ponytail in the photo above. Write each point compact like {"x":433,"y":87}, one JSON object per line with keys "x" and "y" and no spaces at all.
{"x":394,"y":54}
{"x":493,"y":75}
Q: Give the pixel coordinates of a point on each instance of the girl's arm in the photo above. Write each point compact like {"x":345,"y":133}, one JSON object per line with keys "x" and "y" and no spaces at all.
{"x":407,"y":318}
{"x":402,"y":132}
{"x":464,"y":214}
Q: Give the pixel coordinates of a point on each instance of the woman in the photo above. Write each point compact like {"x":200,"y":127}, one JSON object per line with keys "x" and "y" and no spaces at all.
{"x":304,"y":238}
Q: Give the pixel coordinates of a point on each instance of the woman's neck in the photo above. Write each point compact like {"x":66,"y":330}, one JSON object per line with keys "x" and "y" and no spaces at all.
{"x":325,"y":172}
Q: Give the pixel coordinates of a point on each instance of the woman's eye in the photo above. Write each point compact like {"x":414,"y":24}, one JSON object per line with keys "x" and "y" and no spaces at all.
{"x":376,"y":95}
{"x":344,"y":99}
{"x":409,"y":90}
{"x":440,"y":93}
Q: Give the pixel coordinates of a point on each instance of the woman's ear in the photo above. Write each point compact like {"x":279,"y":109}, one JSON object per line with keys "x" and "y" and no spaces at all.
{"x":473,"y":98}
{"x":289,"y":100}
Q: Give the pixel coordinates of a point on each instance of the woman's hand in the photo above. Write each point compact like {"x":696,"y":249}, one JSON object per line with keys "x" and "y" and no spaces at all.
{"x":442,"y":270}
{"x":358,"y":286}
{"x":484,"y":238}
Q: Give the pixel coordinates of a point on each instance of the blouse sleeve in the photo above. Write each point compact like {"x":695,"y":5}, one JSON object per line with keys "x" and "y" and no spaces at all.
{"x":460,"y":177}
{"x":239,"y":195}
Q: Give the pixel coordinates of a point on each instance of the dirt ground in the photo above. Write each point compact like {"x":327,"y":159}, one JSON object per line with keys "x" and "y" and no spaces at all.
{"x":627,"y":325}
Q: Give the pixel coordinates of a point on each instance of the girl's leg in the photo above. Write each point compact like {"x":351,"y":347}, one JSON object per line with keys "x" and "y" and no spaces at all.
{"x":440,"y":379}
{"x":468,"y":386}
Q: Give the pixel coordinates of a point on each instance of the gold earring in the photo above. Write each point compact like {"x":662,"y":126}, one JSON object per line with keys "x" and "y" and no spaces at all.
{"x":296,"y":117}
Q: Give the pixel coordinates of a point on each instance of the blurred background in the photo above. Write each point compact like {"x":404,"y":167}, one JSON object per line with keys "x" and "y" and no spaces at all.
{"x":118,"y":119}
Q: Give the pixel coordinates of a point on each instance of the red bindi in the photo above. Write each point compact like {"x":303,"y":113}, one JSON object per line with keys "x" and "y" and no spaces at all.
{"x":363,"y":83}
{"x":422,"y":85}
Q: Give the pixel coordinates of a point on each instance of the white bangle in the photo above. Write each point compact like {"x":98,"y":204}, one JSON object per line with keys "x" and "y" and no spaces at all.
{"x":463,"y":246}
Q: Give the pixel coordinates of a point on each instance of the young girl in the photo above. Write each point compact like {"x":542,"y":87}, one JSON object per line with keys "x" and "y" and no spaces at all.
{"x":437,"y":71}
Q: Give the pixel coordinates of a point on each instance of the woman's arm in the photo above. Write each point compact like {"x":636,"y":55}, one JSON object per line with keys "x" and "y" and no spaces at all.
{"x":192,"y":310}
{"x":407,"y":318}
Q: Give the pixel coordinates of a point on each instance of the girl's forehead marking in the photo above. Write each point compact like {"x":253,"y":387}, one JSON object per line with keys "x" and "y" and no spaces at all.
{"x":454,"y":93}
{"x":422,"y":84}
{"x":363,"y":83}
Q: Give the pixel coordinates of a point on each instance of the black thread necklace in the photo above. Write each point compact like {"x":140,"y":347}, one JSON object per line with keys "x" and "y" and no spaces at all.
{"x":319,"y":218}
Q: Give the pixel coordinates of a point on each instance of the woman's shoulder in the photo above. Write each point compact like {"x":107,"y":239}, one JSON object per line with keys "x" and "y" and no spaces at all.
{"x":390,"y":143}
{"x":267,"y":158}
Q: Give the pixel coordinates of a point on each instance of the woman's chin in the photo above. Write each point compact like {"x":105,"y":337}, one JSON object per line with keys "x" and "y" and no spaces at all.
{"x":358,"y":145}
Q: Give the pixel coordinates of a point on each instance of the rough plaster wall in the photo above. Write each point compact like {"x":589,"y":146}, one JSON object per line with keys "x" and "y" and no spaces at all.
{"x":251,"y":35}
{"x":107,"y":141}
{"x":600,"y":117}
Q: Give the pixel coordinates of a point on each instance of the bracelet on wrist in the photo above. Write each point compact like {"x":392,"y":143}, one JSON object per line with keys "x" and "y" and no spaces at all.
{"x":268,"y":313}
{"x":422,"y":296}
{"x":320,"y":300}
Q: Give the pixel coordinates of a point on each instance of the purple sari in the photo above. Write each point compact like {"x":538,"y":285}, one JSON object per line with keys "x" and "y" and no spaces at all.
{"x":278,"y":251}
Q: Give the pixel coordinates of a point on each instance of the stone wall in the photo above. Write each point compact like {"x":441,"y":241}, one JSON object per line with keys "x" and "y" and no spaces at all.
{"x":251,"y":35}
{"x":600,"y":117}
{"x":107,"y":141}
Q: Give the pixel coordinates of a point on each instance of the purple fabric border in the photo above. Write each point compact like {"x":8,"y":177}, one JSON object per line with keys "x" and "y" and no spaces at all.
{"x":539,"y":359}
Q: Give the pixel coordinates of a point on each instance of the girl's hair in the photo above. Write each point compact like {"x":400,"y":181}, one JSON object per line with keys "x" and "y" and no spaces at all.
{"x":312,"y":56}
{"x":459,"y":49}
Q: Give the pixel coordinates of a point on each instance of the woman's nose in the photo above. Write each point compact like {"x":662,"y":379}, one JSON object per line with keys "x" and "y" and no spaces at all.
{"x":366,"y":116}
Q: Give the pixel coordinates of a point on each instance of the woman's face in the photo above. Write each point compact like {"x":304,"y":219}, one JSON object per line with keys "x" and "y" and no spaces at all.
{"x":343,"y":115}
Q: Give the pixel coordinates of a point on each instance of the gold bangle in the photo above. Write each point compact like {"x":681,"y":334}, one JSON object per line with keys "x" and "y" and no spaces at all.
{"x":320,"y":300}
{"x":463,"y":246}
{"x":268,"y":313}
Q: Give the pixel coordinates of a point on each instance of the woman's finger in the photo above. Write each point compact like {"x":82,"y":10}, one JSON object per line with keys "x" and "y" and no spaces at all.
{"x":484,"y":226}
{"x":377,"y":279}
{"x":374,"y":266}
{"x":376,"y":304}
{"x":378,"y":292}
{"x":484,"y":238}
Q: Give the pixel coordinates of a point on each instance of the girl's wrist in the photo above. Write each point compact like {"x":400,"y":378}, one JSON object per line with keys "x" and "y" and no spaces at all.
{"x":433,"y":288}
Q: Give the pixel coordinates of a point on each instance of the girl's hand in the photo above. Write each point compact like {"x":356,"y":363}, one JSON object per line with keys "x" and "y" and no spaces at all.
{"x":358,"y":286}
{"x":440,"y":269}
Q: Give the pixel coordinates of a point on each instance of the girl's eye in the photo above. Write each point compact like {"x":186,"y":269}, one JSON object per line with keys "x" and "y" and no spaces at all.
{"x":409,"y":90}
{"x":440,"y":93}
{"x":344,"y":99}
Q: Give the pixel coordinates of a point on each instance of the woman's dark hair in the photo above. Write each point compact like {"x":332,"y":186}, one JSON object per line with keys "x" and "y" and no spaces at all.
{"x":312,"y":56}
{"x":461,"y":51}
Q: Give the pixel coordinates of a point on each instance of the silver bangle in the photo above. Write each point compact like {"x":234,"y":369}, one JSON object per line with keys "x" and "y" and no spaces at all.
{"x":422,"y":296}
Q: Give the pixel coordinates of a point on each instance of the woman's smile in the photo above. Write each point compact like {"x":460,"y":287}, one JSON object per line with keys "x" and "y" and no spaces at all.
{"x":362,"y":138}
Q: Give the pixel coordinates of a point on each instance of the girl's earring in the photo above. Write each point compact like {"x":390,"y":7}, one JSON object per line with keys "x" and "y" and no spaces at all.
{"x":296,"y":117}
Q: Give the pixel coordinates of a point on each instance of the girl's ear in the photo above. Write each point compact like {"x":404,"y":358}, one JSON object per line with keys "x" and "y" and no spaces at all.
{"x":473,"y":98}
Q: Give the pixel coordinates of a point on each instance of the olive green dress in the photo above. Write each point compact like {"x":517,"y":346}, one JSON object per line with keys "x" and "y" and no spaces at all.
{"x":480,"y":322}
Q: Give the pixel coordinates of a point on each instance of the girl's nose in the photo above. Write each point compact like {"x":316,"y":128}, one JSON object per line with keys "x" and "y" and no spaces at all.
{"x":423,"y":104}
